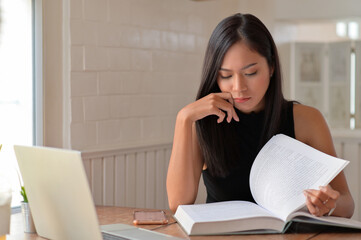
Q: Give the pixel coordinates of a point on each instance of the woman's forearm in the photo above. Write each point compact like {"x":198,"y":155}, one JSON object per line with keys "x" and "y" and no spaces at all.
{"x":184,"y":167}
{"x":344,"y":206}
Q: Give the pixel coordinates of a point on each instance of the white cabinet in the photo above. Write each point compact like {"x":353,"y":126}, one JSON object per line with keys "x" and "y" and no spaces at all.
{"x":323,"y":75}
{"x":319,"y":75}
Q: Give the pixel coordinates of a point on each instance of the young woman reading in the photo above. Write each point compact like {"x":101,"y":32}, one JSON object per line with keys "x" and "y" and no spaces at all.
{"x":239,"y":107}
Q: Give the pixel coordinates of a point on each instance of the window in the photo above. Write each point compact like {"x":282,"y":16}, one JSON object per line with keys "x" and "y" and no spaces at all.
{"x":348,"y":30}
{"x":20,"y":84}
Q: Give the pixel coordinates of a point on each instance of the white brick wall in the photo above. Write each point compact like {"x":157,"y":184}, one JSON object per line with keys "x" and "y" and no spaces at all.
{"x":134,"y":64}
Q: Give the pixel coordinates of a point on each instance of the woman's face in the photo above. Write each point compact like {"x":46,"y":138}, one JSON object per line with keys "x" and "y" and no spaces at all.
{"x":246,"y":75}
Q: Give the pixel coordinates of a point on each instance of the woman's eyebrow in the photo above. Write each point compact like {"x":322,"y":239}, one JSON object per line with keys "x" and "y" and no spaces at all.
{"x":248,"y":66}
{"x":245,"y":67}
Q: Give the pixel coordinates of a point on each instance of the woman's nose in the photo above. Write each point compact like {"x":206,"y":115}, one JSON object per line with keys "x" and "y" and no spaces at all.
{"x":239,"y":83}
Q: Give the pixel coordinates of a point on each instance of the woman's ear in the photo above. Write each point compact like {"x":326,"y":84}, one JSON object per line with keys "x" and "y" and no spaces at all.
{"x":271,"y":71}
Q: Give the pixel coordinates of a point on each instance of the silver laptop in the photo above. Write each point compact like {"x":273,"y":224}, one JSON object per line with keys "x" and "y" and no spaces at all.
{"x":60,"y":199}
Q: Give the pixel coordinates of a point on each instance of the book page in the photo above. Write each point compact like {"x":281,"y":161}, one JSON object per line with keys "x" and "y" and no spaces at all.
{"x":227,"y":217}
{"x":284,"y":168}
{"x":304,"y":216}
{"x":224,"y":211}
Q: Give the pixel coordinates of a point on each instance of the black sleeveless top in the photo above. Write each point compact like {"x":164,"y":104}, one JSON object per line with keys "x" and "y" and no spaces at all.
{"x":235,"y":186}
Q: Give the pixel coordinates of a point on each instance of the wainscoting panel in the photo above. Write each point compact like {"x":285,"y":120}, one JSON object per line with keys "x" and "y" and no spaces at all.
{"x":348,"y":146}
{"x":131,"y":177}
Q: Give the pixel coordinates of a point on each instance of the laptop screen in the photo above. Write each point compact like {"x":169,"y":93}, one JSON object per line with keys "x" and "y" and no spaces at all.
{"x":58,"y":192}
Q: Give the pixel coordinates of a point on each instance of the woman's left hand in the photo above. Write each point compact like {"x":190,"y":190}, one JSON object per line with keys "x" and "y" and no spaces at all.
{"x":321,"y":202}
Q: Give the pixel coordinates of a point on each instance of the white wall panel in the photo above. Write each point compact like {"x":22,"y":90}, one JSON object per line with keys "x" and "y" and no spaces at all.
{"x":119,"y":180}
{"x":132,"y":177}
{"x":130,"y":180}
{"x":140,"y":180}
{"x":97,"y":180}
{"x":108,"y":183}
{"x":348,"y":146}
{"x":160,"y":179}
{"x":352,"y":153}
{"x":150,"y":179}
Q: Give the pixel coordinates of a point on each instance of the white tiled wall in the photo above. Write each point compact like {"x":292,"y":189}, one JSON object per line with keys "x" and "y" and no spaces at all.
{"x":134,"y":64}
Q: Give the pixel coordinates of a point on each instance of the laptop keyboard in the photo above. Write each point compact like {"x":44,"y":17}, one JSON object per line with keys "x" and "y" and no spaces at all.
{"x":123,"y":231}
{"x":107,"y":236}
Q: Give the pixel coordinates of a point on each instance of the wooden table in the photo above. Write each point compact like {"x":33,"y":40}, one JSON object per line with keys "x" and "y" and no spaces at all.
{"x":110,"y":215}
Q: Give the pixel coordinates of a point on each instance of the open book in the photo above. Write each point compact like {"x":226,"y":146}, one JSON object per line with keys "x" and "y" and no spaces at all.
{"x":281,"y":171}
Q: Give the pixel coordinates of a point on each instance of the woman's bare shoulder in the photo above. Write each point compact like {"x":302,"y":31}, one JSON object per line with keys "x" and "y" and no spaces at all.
{"x":311,"y":128}
{"x":305,"y":112}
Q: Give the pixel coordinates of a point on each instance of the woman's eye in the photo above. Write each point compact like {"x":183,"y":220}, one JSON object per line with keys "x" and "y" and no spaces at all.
{"x":251,"y":74}
{"x":226,"y":77}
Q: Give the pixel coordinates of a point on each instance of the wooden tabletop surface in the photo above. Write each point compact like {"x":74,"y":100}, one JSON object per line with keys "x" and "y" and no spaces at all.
{"x":111,"y":215}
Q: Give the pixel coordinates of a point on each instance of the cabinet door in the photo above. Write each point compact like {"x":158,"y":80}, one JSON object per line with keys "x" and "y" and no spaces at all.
{"x":310,"y":74}
{"x":339,"y":55}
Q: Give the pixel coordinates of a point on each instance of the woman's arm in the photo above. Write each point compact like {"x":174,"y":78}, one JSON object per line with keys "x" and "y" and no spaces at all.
{"x":185,"y":165}
{"x":311,"y":128}
{"x":186,"y":162}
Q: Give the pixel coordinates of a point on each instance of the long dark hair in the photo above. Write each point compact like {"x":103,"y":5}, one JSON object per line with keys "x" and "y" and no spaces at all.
{"x":216,"y":139}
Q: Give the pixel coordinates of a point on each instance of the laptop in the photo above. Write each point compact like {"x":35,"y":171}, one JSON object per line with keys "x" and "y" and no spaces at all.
{"x":60,"y":199}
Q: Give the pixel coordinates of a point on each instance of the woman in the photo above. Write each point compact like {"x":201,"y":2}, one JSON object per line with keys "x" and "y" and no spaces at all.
{"x":239,"y":107}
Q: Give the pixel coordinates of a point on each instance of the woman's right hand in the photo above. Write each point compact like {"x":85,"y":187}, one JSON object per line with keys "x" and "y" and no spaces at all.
{"x":212,"y":104}
{"x":186,"y":162}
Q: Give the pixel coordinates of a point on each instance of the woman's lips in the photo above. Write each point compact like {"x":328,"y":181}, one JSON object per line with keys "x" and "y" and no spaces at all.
{"x":241,"y":100}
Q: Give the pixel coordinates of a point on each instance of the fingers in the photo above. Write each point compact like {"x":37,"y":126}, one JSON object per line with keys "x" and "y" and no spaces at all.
{"x":330,"y":192}
{"x":228,"y":97}
{"x":317,"y":205}
{"x":320,"y":202}
{"x":221,"y":115}
{"x":231,"y":114}
{"x":221,"y":106}
{"x":312,"y":208}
